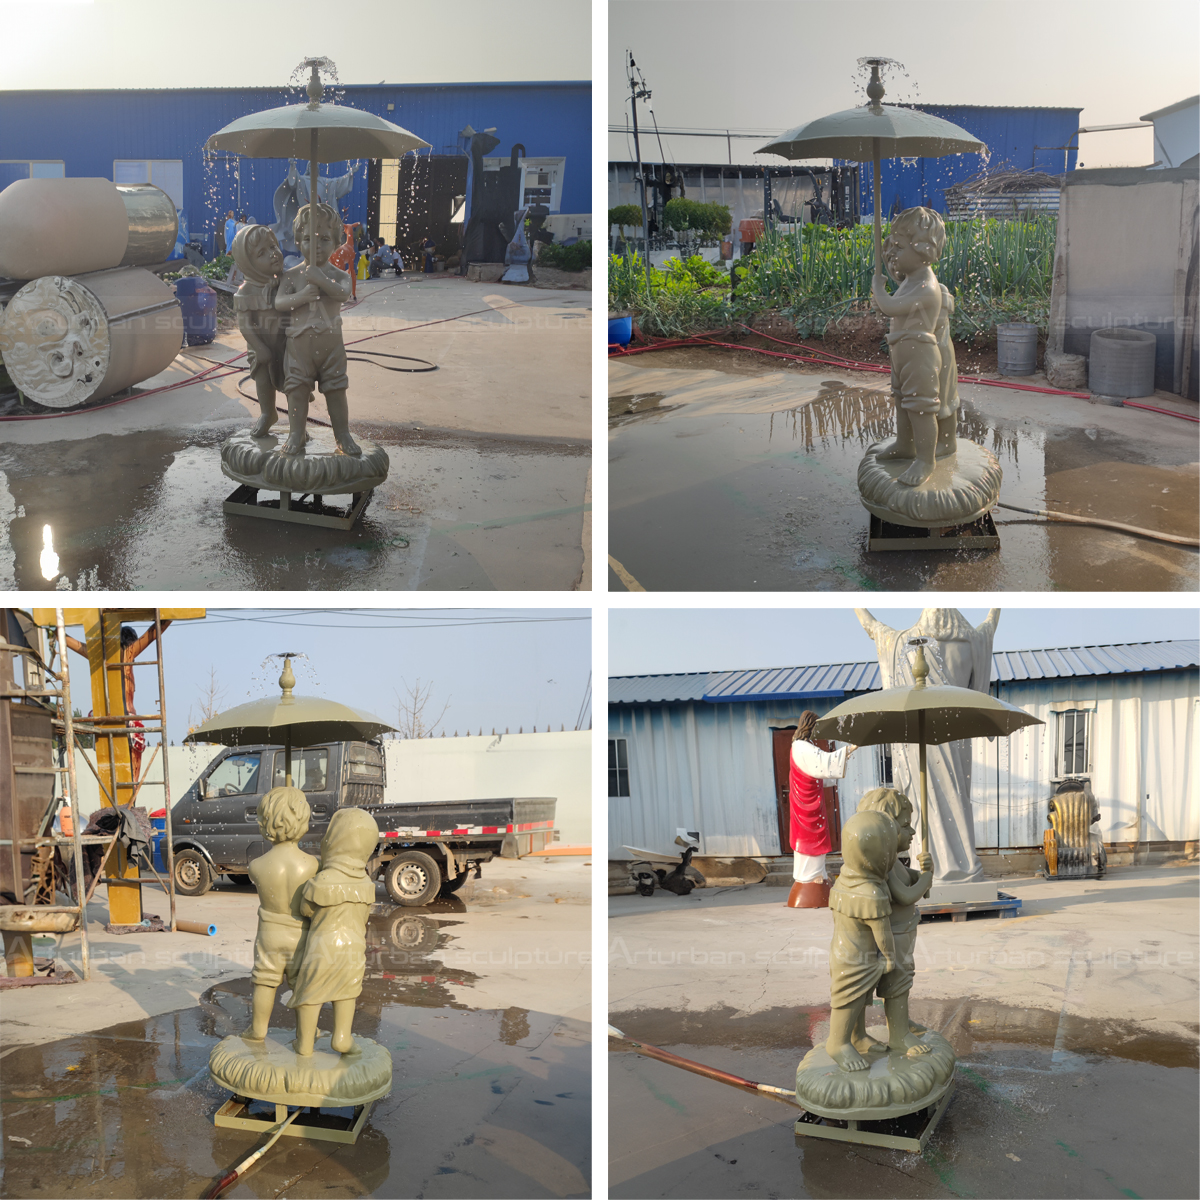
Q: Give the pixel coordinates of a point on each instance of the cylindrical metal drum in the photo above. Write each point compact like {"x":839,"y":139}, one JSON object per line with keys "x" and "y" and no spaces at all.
{"x":153,"y":224}
{"x":76,"y":226}
{"x":67,"y":341}
{"x":1016,"y":348}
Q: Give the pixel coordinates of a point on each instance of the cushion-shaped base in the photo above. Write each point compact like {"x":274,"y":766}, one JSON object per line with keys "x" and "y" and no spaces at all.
{"x":892,"y":1084}
{"x":271,"y":1070}
{"x":319,"y":471}
{"x":963,"y":487}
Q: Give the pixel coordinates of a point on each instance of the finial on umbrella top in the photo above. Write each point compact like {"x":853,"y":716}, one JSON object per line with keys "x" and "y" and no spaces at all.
{"x":875,"y":86}
{"x":920,"y":668}
{"x":287,"y":680}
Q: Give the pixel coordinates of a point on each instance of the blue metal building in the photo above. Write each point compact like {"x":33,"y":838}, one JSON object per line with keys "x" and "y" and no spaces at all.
{"x":1018,"y":138}
{"x":697,"y":751}
{"x":96,"y":133}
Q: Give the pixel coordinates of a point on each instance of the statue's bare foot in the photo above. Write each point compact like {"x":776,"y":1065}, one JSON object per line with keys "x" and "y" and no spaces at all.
{"x":294,"y":444}
{"x":893,"y":448}
{"x":866,"y":1043}
{"x":264,"y":422}
{"x":343,"y":1044}
{"x":848,"y":1058}
{"x":913,"y":1046}
{"x":251,"y":1036}
{"x":913,"y":1027}
{"x":300,"y":1049}
{"x":347,"y":445}
{"x":916,"y":474}
{"x":946,"y":447}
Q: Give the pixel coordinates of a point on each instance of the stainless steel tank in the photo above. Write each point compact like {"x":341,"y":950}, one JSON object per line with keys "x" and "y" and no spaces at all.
{"x":76,"y":226}
{"x":67,"y":340}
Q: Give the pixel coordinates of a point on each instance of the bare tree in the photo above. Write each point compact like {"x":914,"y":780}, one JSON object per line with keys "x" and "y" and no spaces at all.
{"x":415,"y":710}
{"x":212,"y":697}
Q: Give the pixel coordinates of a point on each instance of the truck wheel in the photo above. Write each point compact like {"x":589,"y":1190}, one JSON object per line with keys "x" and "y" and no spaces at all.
{"x":452,"y":885}
{"x":412,"y":878}
{"x":193,"y":876}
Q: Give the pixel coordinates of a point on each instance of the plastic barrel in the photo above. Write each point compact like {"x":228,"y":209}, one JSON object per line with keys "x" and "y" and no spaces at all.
{"x":1016,"y":348}
{"x":198,"y":303}
{"x":1121,"y":362}
{"x":620,"y":330}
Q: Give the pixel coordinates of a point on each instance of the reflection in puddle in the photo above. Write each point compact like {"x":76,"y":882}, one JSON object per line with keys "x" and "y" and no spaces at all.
{"x":1033,"y":1112}
{"x":127,"y":1111}
{"x":749,"y":483}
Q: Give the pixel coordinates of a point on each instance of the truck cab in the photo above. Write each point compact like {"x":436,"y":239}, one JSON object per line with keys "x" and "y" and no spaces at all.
{"x":215,"y":823}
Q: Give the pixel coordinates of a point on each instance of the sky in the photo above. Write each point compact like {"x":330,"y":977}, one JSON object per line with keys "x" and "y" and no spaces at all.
{"x":661,"y":641}
{"x":495,"y":667}
{"x":769,"y":65}
{"x":257,"y":43}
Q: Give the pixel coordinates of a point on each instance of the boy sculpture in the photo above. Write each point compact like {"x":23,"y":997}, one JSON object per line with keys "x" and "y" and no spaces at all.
{"x":279,"y":875}
{"x":313,"y":292}
{"x":260,"y":260}
{"x":923,"y":431}
{"x":905,"y":887}
{"x":337,"y":901}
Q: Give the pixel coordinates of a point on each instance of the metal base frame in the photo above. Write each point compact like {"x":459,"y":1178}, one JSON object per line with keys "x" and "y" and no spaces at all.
{"x":311,"y":1123}
{"x":978,"y":535}
{"x":917,"y":1128}
{"x":1003,"y":906}
{"x":243,"y":502}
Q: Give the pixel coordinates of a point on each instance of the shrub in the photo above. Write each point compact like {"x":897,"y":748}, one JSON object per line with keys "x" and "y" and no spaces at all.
{"x":625,"y":214}
{"x":576,"y":257}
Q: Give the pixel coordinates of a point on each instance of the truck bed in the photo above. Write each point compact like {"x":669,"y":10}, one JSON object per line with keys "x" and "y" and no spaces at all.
{"x":464,"y":818}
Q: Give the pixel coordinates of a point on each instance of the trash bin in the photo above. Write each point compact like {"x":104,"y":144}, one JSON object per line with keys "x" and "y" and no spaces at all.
{"x":1016,"y":348}
{"x":158,"y":831}
{"x":1121,"y":363}
{"x":620,"y":330}
{"x":198,"y":303}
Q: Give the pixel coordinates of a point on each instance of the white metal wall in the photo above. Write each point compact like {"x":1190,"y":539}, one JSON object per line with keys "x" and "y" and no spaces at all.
{"x":709,"y":767}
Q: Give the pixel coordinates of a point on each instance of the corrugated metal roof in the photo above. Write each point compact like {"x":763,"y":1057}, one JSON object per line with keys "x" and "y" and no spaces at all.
{"x":838,"y":679}
{"x":792,"y":683}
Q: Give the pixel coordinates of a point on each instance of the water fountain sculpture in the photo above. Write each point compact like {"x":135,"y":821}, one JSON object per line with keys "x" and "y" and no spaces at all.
{"x":959,"y":654}
{"x":310,"y":295}
{"x":312,"y":922}
{"x":854,"y":1075}
{"x":925,"y":488}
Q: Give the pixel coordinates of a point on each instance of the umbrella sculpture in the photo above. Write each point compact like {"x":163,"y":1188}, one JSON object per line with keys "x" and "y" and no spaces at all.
{"x":927,"y":715}
{"x":289,"y":721}
{"x":310,"y":350}
{"x":924,"y":477}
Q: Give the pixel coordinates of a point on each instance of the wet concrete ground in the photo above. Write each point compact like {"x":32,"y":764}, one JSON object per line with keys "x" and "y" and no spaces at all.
{"x":1075,"y":1025}
{"x":1045,"y":1105}
{"x":490,"y":462}
{"x":481,"y":997}
{"x":745,"y":481}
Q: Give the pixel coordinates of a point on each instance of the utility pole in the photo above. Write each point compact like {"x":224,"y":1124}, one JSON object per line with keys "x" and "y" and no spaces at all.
{"x":640,"y":93}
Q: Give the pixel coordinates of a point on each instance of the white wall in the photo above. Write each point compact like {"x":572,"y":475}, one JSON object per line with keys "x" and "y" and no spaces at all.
{"x":509,"y":764}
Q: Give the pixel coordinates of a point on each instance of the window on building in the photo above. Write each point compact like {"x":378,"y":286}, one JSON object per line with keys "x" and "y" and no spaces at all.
{"x":12,"y":169}
{"x":883,"y":758}
{"x":1074,"y":743}
{"x":618,"y":767}
{"x":166,"y":173}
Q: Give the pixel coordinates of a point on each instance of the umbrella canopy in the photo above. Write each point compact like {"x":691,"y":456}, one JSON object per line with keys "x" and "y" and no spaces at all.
{"x":316,"y":131}
{"x":861,"y":134}
{"x":872,"y":132}
{"x":289,"y":721}
{"x":922,"y":714}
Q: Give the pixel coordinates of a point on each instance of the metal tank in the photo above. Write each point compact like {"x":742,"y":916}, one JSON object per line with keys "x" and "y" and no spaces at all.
{"x":67,"y":340}
{"x":76,"y":226}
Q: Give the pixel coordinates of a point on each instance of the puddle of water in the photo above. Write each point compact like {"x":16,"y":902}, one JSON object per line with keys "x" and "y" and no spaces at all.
{"x":143,"y":511}
{"x":1046,"y":1104}
{"x":487,"y":1102}
{"x":704,"y":499}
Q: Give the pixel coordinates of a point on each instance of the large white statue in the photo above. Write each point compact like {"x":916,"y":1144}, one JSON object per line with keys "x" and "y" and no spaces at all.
{"x":961,"y":654}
